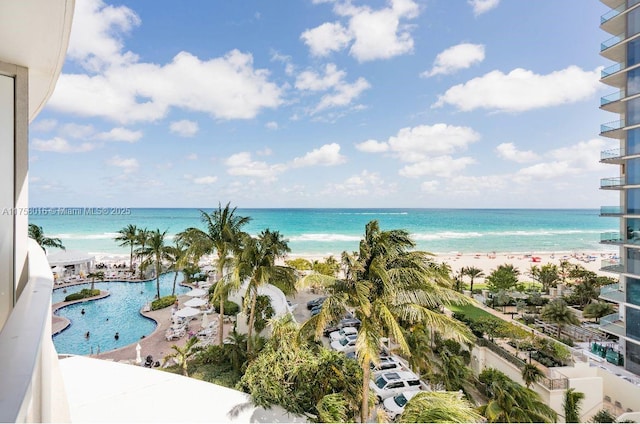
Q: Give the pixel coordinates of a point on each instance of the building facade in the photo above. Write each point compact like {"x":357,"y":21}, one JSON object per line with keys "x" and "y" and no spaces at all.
{"x":622,"y":23}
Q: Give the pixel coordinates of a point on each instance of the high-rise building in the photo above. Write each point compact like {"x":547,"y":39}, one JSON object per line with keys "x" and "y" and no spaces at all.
{"x":622,"y":22}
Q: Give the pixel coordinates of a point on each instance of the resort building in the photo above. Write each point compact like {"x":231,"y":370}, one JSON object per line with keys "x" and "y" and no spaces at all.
{"x":622,"y":22}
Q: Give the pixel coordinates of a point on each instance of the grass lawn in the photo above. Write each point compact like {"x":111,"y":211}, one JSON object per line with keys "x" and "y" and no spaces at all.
{"x":471,"y":311}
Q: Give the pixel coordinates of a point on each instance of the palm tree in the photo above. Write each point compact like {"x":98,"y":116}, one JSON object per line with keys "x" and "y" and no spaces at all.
{"x":597,"y":310}
{"x":531,"y":374}
{"x":571,"y":405}
{"x":472,"y":272}
{"x":181,"y":355}
{"x":37,"y":233}
{"x":256,"y":263}
{"x":156,"y":253}
{"x":557,"y":312}
{"x":128,"y":236}
{"x":222,"y":235}
{"x":93,"y":275}
{"x":142,"y":239}
{"x":385,"y":283}
{"x":439,"y":407}
{"x":179,"y":260}
{"x":235,"y":349}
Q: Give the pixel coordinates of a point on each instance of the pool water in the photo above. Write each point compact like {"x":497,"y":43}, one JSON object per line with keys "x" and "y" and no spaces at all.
{"x":119,"y":312}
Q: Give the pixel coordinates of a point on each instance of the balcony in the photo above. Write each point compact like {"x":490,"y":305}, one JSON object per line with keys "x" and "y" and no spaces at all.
{"x":612,"y":324}
{"x":611,"y":238}
{"x":614,"y":75}
{"x":612,"y":129}
{"x":610,"y":211}
{"x":612,"y":155}
{"x":614,"y":183}
{"x":612,"y":265}
{"x":612,"y":293}
{"x":31,"y":388}
{"x":614,"y":21}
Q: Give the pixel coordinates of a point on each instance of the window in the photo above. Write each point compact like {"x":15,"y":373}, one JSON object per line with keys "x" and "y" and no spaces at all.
{"x":633,"y":291}
{"x":632,"y":320}
{"x":395,"y":385}
{"x":633,"y":357}
{"x":414,"y":382}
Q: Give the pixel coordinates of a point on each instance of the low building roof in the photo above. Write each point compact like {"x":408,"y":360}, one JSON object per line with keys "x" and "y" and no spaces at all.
{"x":69,"y":257}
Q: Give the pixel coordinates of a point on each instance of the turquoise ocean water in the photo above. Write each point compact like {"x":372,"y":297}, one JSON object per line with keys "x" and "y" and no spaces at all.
{"x":331,"y":231}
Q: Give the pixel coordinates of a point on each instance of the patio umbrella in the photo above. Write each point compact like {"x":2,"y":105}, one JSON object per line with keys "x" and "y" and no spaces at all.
{"x":58,"y":269}
{"x":187,"y":312}
{"x":195,"y":302}
{"x":138,"y":357}
{"x":205,"y":320}
{"x":196,"y":293}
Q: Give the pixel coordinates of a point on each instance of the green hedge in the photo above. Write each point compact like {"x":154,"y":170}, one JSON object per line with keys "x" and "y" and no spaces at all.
{"x":230,"y":308}
{"x":82,"y":294}
{"x":163,"y":302}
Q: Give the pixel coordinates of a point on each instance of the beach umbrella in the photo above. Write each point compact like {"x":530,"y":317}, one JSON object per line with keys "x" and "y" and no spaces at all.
{"x":196,"y":293}
{"x":138,"y":356}
{"x":205,"y":320}
{"x":187,"y":312}
{"x":195,"y":302}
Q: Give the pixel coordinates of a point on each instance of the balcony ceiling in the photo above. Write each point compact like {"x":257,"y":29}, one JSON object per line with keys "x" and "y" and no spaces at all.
{"x":35,"y":34}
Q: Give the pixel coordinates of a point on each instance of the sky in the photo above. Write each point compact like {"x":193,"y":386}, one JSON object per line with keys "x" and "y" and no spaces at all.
{"x":327,"y":103}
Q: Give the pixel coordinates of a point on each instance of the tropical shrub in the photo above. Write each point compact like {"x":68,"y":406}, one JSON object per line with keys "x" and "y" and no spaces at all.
{"x":163,"y":302}
{"x":264,"y":312}
{"x":82,"y":294}
{"x":230,"y":308}
{"x":300,"y":264}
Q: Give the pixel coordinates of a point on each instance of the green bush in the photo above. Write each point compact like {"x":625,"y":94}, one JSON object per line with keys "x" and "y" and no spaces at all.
{"x":82,"y":294}
{"x":230,"y":308}
{"x":163,"y":302}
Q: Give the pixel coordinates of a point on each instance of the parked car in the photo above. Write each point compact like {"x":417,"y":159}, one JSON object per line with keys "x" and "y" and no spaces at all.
{"x":316,"y":310}
{"x":394,"y":406}
{"x":390,"y":383}
{"x":315,"y":302}
{"x":337,"y":335}
{"x":345,"y":322}
{"x":386,"y":363}
{"x":348,"y":341}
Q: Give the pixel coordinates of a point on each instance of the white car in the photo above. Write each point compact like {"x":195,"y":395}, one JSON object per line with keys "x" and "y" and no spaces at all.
{"x":388,"y":363}
{"x":394,"y":406}
{"x":386,"y":384}
{"x":337,"y":335}
{"x":345,"y":343}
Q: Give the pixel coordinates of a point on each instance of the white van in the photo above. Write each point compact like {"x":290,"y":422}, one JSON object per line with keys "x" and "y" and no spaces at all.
{"x":390,"y":383}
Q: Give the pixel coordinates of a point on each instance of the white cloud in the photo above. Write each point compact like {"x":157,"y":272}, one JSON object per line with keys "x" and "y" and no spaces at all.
{"x":522,"y":90}
{"x":271,"y":125}
{"x":60,"y":145}
{"x":192,"y":156}
{"x":454,"y":58}
{"x":327,"y":155}
{"x":342,"y":94}
{"x":416,"y":144}
{"x":43,"y":125}
{"x":312,"y":81}
{"x":478,"y":185}
{"x":227,"y":87}
{"x":364,"y":184}
{"x":482,"y":6}
{"x":372,"y":34}
{"x":440,"y":166}
{"x":326,"y":38}
{"x":127,"y":165}
{"x":77,"y":131}
{"x":509,"y":151}
{"x":120,"y":134}
{"x":430,"y":186}
{"x":373,"y":146}
{"x":96,"y":33}
{"x":241,"y":164}
{"x":184,"y":128}
{"x":205,"y":180}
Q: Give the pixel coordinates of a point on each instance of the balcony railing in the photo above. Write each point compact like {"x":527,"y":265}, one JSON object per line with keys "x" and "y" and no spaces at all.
{"x":610,"y":210}
{"x":611,"y":126}
{"x":611,"y":42}
{"x":612,"y":292}
{"x":27,"y":355}
{"x":611,"y":182}
{"x":613,"y":97}
{"x":610,"y":238}
{"x":612,"y":13}
{"x":612,"y":324}
{"x":612,"y":153}
{"x":612,"y":265}
{"x":609,"y":70}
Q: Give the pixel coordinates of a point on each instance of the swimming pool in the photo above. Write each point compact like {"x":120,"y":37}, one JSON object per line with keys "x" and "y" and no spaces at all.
{"x":119,"y":312}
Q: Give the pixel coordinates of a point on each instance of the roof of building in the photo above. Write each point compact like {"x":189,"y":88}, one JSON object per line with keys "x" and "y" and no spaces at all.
{"x":69,"y":257}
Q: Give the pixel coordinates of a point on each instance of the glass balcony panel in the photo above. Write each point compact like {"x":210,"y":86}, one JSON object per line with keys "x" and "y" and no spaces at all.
{"x":610,"y":237}
{"x":611,"y":126}
{"x":611,"y":69}
{"x":613,"y":97}
{"x":611,"y":42}
{"x":612,"y":13}
{"x":611,"y":182}
{"x":612,"y":265}
{"x":612,"y":292}
{"x":610,"y":210}
{"x":611,"y":153}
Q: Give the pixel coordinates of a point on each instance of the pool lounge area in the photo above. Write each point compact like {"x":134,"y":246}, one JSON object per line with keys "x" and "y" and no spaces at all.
{"x":103,"y":318}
